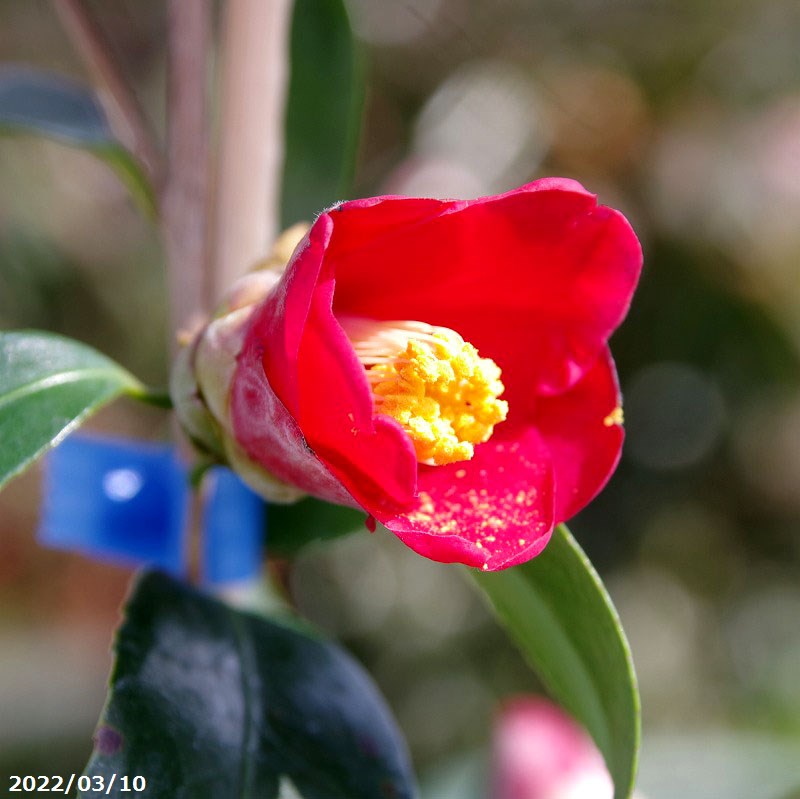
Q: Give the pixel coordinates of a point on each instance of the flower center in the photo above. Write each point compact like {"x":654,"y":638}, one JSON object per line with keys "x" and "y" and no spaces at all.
{"x":431,"y":381}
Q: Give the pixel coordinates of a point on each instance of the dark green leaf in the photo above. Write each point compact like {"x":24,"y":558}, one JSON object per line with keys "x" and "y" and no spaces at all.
{"x":323,"y":112}
{"x":48,"y":386}
{"x":207,"y":701}
{"x":556,"y":609}
{"x":35,"y":102}
{"x":290,"y":527}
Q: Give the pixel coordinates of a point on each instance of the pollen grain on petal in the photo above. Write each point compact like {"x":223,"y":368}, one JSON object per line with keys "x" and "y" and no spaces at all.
{"x":615,"y":417}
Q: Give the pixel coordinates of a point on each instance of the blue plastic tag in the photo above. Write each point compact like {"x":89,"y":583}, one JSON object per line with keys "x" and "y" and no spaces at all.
{"x":233,"y":528}
{"x":127,"y":502}
{"x":116,"y":500}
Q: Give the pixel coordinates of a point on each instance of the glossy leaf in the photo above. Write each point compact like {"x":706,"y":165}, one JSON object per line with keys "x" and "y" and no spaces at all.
{"x":559,"y":614}
{"x":48,"y":386}
{"x":207,"y":701}
{"x":291,"y":527}
{"x":41,"y":103}
{"x":323,"y":112}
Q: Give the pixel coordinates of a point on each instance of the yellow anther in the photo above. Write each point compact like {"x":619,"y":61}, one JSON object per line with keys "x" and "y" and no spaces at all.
{"x":433,"y":383}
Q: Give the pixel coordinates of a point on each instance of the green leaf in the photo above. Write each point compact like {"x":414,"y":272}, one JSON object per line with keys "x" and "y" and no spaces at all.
{"x":48,"y":386}
{"x":559,"y":614}
{"x":207,"y":701}
{"x":36,"y":102}
{"x":323,"y":112}
{"x":291,"y":527}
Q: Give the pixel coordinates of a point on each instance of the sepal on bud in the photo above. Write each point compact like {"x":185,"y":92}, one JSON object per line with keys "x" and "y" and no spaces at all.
{"x":204,"y":368}
{"x":193,"y":415}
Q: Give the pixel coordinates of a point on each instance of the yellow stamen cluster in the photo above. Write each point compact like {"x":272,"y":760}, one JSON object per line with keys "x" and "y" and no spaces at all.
{"x":433,"y":383}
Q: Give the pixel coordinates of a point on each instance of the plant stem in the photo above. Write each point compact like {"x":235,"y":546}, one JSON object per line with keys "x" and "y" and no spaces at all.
{"x":185,"y":199}
{"x":126,"y":114}
{"x":186,"y":194}
{"x":254,"y":76}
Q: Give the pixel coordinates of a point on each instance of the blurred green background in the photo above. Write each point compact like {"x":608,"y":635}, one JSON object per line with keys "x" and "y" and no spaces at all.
{"x":685,"y":115}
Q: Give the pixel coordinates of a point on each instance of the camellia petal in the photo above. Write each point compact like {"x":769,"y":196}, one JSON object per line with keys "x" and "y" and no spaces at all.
{"x":525,"y":287}
{"x":582,"y":429}
{"x":300,"y":360}
{"x":537,"y":278}
{"x":493,"y":511}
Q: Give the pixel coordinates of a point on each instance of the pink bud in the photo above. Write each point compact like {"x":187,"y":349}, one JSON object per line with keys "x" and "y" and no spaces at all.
{"x":542,"y":753}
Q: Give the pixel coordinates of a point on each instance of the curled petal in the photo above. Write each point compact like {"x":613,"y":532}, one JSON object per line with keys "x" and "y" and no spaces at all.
{"x":582,"y":429}
{"x":317,"y":429}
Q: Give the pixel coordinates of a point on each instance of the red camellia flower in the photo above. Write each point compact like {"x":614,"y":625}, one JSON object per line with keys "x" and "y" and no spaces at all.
{"x":441,"y":364}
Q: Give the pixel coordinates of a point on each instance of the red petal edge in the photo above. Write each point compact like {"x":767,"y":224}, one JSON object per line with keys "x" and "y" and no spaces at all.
{"x":263,"y":424}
